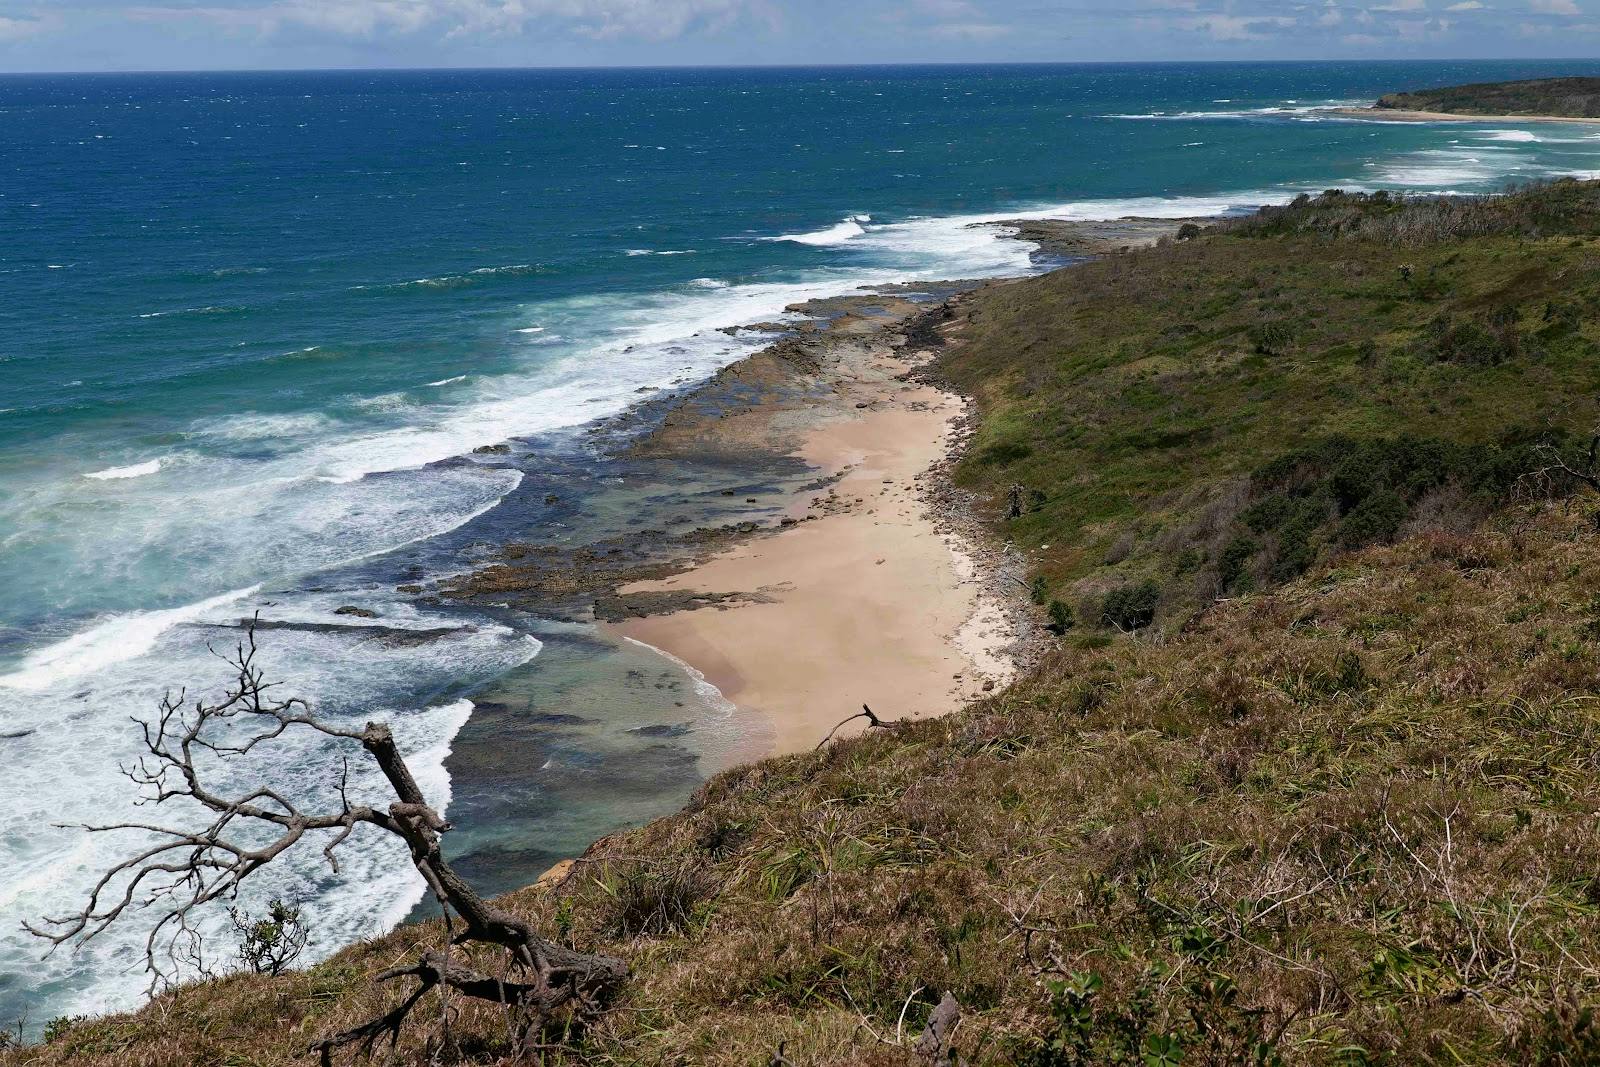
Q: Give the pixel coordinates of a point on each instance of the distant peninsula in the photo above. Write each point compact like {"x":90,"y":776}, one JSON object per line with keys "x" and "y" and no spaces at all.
{"x":1542,"y":99}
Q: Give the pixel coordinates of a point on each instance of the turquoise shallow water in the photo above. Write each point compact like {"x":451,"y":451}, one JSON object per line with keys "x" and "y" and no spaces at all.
{"x":252,"y":327}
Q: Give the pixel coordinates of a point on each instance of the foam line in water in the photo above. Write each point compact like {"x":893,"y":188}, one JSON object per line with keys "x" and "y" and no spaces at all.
{"x":1514,"y":136}
{"x":1328,"y":111}
{"x":119,"y":638}
{"x":137,"y":470}
{"x":703,"y":686}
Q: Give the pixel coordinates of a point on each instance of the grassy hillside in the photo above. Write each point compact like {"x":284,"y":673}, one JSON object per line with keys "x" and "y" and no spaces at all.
{"x":1564,"y":97}
{"x":1350,"y":822}
{"x":1214,"y":416}
{"x":1346,"y":814}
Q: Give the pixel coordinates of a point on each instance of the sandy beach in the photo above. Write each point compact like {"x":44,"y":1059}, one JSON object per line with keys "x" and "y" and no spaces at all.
{"x":863,"y":576}
{"x":867,"y":600}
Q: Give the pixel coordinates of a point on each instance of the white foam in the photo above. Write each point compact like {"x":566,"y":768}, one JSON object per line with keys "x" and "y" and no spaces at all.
{"x":1515,"y":136}
{"x":837,"y":234}
{"x":1441,"y":170}
{"x":447,"y":381}
{"x":113,"y":640}
{"x":137,"y":470}
{"x":255,"y":426}
{"x":1327,"y":111}
{"x":76,"y":771}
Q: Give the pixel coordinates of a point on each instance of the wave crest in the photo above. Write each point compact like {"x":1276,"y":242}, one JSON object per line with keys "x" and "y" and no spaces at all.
{"x":839,"y":233}
{"x":136,"y":470}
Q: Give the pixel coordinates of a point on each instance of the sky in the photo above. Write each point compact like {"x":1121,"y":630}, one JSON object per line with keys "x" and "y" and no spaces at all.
{"x":43,"y":35}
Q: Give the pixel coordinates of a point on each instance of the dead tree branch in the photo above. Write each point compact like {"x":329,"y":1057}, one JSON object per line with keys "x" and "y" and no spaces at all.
{"x":181,"y":871}
{"x":865,"y":713}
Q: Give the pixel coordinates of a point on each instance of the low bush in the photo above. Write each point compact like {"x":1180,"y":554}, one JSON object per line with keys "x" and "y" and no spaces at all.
{"x":1132,"y":607}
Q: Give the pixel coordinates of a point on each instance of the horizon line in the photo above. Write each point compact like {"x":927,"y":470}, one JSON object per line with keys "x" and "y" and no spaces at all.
{"x":893,"y":64}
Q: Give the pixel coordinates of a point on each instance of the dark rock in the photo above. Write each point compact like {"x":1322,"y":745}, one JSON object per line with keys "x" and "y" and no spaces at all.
{"x":664,"y":730}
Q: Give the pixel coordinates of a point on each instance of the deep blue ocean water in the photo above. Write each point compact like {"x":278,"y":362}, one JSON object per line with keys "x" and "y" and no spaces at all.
{"x":252,"y":327}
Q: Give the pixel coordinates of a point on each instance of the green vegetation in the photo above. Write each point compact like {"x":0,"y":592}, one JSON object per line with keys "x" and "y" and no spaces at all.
{"x":269,"y":944}
{"x":1331,"y":799}
{"x":1218,"y":415}
{"x":1560,"y":97}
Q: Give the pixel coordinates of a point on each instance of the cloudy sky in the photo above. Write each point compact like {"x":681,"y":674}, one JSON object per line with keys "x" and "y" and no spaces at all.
{"x":211,"y":34}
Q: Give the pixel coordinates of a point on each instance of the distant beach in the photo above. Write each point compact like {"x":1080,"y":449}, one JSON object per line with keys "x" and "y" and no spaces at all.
{"x":1385,"y":114}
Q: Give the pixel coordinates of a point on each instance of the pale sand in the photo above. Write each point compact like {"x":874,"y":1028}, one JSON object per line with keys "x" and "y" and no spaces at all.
{"x":868,"y":603}
{"x":1396,"y":115}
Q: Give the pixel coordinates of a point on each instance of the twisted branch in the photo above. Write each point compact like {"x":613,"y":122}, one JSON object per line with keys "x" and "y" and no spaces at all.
{"x":183,"y":870}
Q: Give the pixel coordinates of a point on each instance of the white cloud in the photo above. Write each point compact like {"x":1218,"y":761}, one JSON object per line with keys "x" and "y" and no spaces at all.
{"x":1402,"y":5}
{"x":969,"y":31}
{"x":1466,"y":5}
{"x":942,"y":9}
{"x":1235,"y":27}
{"x":15,"y":29}
{"x":660,"y":19}
{"x":1555,"y":7}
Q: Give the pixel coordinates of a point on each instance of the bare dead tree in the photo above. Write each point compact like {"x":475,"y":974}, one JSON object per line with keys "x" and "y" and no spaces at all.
{"x":183,"y":870}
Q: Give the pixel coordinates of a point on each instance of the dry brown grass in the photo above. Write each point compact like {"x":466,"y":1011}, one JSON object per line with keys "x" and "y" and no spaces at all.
{"x":1352,"y":821}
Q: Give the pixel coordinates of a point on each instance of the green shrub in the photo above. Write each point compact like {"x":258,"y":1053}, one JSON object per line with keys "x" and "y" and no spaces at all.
{"x":1039,"y":590}
{"x":1231,"y":565}
{"x":1297,"y":539}
{"x":1489,"y":343}
{"x":1004,"y":452}
{"x":1267,"y":514}
{"x":1062,"y":617}
{"x":270,"y":944}
{"x":1131,"y":607}
{"x":61,"y":1025}
{"x":1271,"y":338}
{"x":1375,"y":519}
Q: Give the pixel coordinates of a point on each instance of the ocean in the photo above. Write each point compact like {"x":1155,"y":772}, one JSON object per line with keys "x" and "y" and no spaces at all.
{"x":254,"y":326}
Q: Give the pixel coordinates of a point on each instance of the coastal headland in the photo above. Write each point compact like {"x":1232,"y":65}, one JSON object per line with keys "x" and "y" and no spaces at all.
{"x":1529,"y":100}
